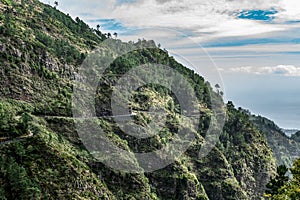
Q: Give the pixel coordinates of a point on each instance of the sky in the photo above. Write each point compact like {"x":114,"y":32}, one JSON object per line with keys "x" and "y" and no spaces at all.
{"x":251,"y":48}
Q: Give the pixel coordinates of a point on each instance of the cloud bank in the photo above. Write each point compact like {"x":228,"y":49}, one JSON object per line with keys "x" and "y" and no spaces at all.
{"x":282,"y":70}
{"x":208,"y":19}
{"x":204,"y":19}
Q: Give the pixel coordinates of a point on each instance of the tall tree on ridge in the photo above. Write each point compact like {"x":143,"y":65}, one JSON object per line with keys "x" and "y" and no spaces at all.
{"x":115,"y":34}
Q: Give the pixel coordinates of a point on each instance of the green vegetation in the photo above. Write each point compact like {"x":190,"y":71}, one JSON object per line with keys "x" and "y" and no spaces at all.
{"x":278,"y":181}
{"x":42,"y":157}
{"x":281,"y":188}
{"x":14,"y":118}
{"x":242,"y":144}
{"x":296,"y":136}
{"x":286,"y":150}
{"x":47,"y":166}
{"x":17,"y":182}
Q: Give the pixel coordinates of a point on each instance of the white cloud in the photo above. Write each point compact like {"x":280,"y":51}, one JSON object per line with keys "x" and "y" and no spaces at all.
{"x":204,"y":19}
{"x":290,"y":10}
{"x":283,"y":70}
{"x":254,"y":48}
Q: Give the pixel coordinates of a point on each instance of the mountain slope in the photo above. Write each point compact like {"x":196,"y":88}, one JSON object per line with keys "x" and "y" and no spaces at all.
{"x":286,"y":149}
{"x":41,"y":51}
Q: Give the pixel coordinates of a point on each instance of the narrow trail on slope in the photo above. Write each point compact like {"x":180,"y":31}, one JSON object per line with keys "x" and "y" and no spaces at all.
{"x":6,"y":140}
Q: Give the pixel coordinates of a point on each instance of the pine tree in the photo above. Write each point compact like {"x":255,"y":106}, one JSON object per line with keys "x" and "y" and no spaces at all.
{"x":278,"y":181}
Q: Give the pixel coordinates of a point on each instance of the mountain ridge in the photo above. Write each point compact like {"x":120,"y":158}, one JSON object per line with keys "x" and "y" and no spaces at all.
{"x":41,"y":52}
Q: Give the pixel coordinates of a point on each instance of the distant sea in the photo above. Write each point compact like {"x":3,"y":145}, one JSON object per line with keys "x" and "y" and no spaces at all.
{"x":274,"y":97}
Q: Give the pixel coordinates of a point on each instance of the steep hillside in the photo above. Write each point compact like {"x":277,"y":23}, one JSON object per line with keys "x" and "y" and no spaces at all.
{"x":286,"y":149}
{"x":43,"y":154}
{"x":247,"y":150}
{"x":296,"y":136}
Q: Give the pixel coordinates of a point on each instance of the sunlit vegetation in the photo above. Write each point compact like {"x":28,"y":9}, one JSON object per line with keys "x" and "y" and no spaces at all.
{"x":280,"y":187}
{"x":41,"y":50}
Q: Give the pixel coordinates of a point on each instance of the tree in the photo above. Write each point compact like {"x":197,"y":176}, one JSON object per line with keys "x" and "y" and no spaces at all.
{"x":98,"y":27}
{"x":278,"y":181}
{"x":109,"y":35}
{"x":23,"y":123}
{"x":55,"y":3}
{"x":290,"y":188}
{"x":115,"y":35}
{"x":296,"y":171}
{"x":217,"y":86}
{"x":18,"y":182}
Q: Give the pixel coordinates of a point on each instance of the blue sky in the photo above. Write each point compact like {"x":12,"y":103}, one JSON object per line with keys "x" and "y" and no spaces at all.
{"x":260,"y":15}
{"x":251,"y":48}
